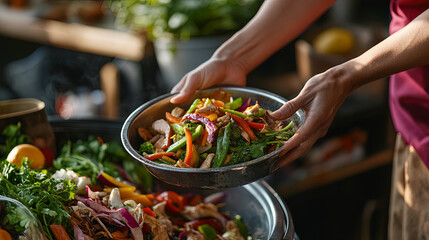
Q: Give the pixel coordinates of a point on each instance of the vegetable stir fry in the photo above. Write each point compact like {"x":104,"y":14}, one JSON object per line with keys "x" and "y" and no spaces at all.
{"x":214,"y":131}
{"x":94,"y":192}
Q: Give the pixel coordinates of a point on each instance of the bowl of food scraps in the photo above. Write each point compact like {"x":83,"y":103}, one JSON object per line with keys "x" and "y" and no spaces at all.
{"x":221,"y":138}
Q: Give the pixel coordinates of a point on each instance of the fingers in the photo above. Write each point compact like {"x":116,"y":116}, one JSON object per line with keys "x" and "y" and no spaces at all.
{"x":287,"y":110}
{"x":186,"y":87}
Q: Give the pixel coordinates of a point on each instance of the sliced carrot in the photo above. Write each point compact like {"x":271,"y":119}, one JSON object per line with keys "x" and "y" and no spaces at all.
{"x":119,"y":234}
{"x":59,"y":232}
{"x":188,"y":156}
{"x":204,"y":138}
{"x":159,"y":155}
{"x":243,"y":124}
{"x":172,"y":118}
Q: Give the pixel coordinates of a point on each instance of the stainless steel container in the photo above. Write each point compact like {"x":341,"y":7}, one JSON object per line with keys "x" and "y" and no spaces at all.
{"x":263,"y":211}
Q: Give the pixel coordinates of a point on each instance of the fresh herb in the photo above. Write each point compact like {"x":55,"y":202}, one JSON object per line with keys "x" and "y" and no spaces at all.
{"x":88,"y":158}
{"x":44,"y":196}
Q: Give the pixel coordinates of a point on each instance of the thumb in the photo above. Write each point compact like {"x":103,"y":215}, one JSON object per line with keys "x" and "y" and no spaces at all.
{"x":287,"y":110}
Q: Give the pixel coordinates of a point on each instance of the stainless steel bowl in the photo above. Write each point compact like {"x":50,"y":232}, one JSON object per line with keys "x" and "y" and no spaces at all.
{"x":264,"y":213}
{"x":213,"y":178}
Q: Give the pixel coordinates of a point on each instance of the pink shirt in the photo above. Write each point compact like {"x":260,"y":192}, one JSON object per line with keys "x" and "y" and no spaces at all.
{"x":409,"y":90}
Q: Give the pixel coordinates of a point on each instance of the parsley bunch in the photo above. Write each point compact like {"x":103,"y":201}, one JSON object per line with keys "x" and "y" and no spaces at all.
{"x":44,"y":196}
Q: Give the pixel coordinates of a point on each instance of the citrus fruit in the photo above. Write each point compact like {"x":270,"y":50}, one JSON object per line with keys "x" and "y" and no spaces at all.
{"x":334,"y":41}
{"x":31,"y":152}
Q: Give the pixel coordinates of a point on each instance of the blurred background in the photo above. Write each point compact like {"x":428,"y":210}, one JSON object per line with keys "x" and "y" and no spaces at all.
{"x":103,"y":59}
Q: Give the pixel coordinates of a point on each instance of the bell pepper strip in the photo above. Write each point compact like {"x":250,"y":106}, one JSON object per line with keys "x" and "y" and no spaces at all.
{"x":195,"y":159}
{"x":149,"y":211}
{"x":168,"y":159}
{"x":204,"y":138}
{"x":257,"y":126}
{"x":207,"y":102}
{"x":222,"y":146}
{"x":193,"y":106}
{"x":236,"y":103}
{"x":189,"y":145}
{"x":182,"y":142}
{"x":123,"y":191}
{"x":139,"y":198}
{"x":106,"y":178}
{"x":174,"y":202}
{"x":210,"y":127}
{"x":237,"y":113}
{"x":59,"y":232}
{"x":243,"y":124}
{"x":171,"y":118}
{"x":158,"y":155}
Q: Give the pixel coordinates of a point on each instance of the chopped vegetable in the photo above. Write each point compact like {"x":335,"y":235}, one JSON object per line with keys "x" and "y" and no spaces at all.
{"x":59,"y":232}
{"x":193,"y":106}
{"x":236,"y":103}
{"x":243,"y":124}
{"x":189,"y":146}
{"x":159,"y":155}
{"x":237,"y":113}
{"x":208,"y":232}
{"x":172,"y":118}
{"x":147,"y":147}
{"x":182,"y":142}
{"x":222,"y":147}
{"x":210,"y":127}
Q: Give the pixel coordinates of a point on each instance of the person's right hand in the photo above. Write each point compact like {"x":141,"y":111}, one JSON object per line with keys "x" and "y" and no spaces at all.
{"x":212,"y":72}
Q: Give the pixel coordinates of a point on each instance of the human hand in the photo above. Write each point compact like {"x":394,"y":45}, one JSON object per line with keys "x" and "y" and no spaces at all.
{"x":212,"y":72}
{"x":320,"y":100}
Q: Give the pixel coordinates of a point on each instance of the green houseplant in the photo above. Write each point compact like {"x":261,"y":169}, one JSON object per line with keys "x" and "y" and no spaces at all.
{"x":185,"y":32}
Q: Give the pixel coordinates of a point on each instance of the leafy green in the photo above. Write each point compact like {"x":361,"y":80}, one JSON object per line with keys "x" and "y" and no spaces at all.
{"x":184,"y":19}
{"x":44,"y":196}
{"x":12,"y":136}
{"x":147,"y":147}
{"x":88,"y":158}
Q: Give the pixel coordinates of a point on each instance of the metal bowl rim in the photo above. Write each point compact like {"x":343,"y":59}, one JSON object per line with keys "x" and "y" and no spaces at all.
{"x":136,"y":155}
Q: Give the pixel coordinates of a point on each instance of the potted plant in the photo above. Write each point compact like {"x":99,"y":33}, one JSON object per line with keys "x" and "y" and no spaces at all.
{"x":185,"y":33}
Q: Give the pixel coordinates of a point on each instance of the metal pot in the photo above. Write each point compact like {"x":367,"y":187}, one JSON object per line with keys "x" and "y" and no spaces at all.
{"x":263,"y":211}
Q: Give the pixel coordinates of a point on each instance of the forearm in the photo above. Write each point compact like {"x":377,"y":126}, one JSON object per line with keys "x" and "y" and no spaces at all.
{"x":276,"y":24}
{"x":405,"y":49}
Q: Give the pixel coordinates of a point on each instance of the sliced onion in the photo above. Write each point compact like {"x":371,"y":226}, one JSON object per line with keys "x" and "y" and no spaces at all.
{"x":131,"y":222}
{"x":215,"y":198}
{"x":182,"y":235}
{"x":77,"y":232}
{"x":244,"y":106}
{"x":210,"y":127}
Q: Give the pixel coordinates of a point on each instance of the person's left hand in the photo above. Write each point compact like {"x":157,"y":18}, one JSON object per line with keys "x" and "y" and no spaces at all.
{"x":320,"y":100}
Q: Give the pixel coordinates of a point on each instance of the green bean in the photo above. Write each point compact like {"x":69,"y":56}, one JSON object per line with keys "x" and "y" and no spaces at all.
{"x":222,"y":146}
{"x":193,"y":106}
{"x":240,"y":114}
{"x":182,"y":142}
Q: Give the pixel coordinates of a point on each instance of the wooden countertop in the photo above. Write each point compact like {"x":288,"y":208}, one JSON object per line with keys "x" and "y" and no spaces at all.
{"x":22,"y":24}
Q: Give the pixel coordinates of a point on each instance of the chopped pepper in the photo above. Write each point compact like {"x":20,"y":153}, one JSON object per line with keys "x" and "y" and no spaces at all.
{"x":193,"y":106}
{"x":179,"y":144}
{"x":243,"y":124}
{"x":189,"y":145}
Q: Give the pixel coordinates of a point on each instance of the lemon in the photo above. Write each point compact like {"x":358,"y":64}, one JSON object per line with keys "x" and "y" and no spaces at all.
{"x":334,"y":41}
{"x":31,"y":152}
